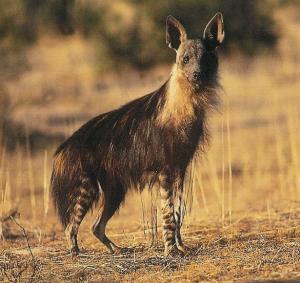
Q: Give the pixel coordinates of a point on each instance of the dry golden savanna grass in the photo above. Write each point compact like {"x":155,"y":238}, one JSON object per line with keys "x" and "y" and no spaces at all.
{"x":243,"y":211}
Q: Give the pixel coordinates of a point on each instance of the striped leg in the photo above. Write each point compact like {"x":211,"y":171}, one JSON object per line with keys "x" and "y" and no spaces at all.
{"x":83,"y":201}
{"x":167,"y":209}
{"x":71,"y":230}
{"x":179,"y":214}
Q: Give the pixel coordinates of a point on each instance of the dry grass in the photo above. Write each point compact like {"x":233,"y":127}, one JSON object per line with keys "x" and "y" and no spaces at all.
{"x":254,"y":247}
{"x":243,"y":222}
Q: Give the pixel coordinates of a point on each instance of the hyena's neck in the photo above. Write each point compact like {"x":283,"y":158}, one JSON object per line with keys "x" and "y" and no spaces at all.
{"x":182,"y":102}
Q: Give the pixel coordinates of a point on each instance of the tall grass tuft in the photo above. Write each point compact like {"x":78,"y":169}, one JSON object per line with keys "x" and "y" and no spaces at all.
{"x":46,"y":184}
{"x":229,"y":162}
{"x":31,"y":177}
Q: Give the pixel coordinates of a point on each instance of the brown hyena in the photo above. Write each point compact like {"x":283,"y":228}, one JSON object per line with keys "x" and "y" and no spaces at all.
{"x":150,"y":140}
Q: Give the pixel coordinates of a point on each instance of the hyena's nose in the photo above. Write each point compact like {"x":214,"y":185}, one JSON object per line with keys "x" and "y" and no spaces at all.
{"x":196,"y":76}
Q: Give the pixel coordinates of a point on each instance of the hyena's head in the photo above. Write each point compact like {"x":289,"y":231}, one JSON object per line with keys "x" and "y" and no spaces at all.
{"x":196,"y":59}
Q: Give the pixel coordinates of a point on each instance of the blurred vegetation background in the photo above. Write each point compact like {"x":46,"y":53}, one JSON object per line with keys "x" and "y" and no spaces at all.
{"x":123,"y":34}
{"x":130,"y":31}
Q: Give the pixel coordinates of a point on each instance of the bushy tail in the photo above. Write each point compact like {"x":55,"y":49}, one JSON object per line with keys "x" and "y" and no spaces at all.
{"x":60,"y":192}
{"x":67,"y":187}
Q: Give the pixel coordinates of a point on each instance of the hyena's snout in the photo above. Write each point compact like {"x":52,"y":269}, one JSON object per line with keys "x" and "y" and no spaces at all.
{"x":196,"y":76}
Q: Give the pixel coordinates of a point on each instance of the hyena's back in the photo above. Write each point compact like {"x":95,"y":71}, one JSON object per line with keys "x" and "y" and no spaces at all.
{"x":95,"y":156}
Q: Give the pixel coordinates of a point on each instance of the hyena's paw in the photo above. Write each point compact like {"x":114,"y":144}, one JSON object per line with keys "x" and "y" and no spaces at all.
{"x":74,"y":251}
{"x":121,"y":250}
{"x":174,"y":252}
{"x":114,"y":249}
{"x":183,"y":248}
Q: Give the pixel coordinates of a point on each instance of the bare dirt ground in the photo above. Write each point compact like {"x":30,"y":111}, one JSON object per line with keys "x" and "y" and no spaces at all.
{"x":254,"y":248}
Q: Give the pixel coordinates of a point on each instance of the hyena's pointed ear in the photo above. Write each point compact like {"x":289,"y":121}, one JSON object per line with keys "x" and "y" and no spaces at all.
{"x":214,"y":34}
{"x":175,"y":33}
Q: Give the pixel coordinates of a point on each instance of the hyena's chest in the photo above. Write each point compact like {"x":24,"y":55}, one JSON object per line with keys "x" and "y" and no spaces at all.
{"x":177,"y":112}
{"x":185,"y":140}
{"x":182,"y":124}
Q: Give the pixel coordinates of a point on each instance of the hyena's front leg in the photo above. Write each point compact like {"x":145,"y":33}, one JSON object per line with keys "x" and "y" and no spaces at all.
{"x":167,"y":209}
{"x":179,"y":214}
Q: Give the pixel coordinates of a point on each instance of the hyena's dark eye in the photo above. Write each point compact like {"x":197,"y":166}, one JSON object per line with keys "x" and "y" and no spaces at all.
{"x":185,"y":59}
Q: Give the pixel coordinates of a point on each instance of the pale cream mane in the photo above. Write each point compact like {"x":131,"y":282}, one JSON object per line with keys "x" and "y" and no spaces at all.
{"x":180,"y":101}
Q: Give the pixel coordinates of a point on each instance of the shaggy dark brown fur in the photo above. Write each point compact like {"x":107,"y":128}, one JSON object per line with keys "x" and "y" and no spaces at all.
{"x":147,"y":141}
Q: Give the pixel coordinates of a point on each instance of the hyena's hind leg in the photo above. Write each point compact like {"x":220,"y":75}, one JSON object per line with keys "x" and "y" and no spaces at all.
{"x":113,"y":196}
{"x":84,"y":197}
